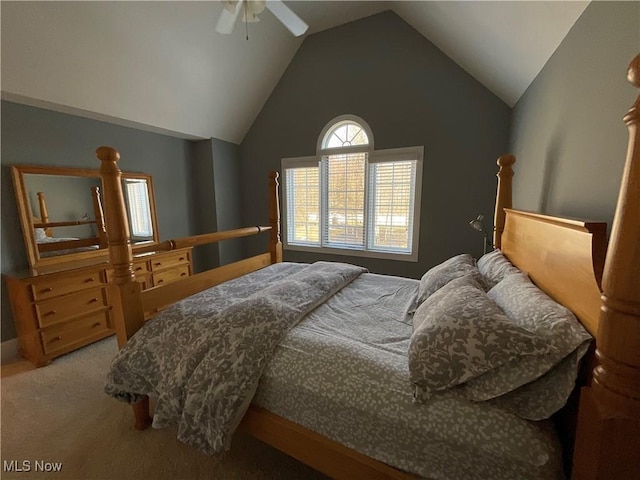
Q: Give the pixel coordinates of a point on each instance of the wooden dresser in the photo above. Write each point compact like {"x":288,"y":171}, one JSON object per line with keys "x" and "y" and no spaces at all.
{"x":58,"y":312}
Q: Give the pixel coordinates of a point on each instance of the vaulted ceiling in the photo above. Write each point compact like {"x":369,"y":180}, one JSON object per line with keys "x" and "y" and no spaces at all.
{"x":161,"y":66}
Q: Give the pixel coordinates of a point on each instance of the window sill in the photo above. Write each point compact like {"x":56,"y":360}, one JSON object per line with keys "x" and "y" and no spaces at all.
{"x":403,"y":257}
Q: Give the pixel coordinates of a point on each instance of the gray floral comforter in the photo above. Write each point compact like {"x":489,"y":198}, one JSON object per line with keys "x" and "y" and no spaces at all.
{"x":202,"y":357}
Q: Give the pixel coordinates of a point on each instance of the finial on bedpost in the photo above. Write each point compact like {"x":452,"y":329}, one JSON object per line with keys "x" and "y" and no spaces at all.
{"x":120,"y":253}
{"x":633,"y":72}
{"x":633,"y":115}
{"x":503,"y":196}
{"x":127,"y":311}
{"x":275,"y":245}
{"x":608,"y":436}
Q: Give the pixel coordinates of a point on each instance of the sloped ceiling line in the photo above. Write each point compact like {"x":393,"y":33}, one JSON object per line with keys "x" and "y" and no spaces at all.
{"x":160,"y":66}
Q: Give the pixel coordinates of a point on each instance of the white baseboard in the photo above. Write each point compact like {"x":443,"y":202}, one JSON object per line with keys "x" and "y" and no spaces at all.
{"x":9,"y":350}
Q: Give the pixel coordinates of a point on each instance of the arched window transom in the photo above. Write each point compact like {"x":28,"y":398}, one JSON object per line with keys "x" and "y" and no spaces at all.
{"x":345,"y":134}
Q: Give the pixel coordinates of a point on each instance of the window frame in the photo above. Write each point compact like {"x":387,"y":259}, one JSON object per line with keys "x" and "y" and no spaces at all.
{"x":132,"y":211}
{"x":412,"y":153}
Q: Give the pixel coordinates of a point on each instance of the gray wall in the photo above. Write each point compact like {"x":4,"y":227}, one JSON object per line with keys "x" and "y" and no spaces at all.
{"x":226,"y":168}
{"x":203,"y":216}
{"x":41,"y":137}
{"x":215,"y":190}
{"x":411,"y":94}
{"x":567,"y":130}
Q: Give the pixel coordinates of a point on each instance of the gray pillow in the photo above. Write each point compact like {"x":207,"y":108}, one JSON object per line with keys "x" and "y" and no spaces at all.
{"x":494,"y":266}
{"x":543,"y":397}
{"x":438,"y":276}
{"x":459,"y":333}
{"x":530,"y":308}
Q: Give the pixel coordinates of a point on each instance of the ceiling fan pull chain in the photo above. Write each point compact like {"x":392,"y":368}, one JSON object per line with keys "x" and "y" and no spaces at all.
{"x":246,"y":23}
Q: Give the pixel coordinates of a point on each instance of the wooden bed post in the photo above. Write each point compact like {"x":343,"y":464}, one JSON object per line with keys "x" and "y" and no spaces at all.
{"x":275,"y":245}
{"x":503,"y":196}
{"x":125,"y":291}
{"x":608,"y":435}
{"x":128,"y":315}
{"x":99,"y":214}
{"x":44,"y":214}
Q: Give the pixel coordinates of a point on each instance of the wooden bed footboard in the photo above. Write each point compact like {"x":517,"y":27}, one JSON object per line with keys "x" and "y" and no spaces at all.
{"x":130,"y":302}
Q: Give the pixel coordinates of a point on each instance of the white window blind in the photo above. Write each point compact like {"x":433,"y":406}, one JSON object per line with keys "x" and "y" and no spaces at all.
{"x":344,"y":200}
{"x":303,"y":205}
{"x":139,"y":209}
{"x":391,"y":205}
{"x":351,"y":199}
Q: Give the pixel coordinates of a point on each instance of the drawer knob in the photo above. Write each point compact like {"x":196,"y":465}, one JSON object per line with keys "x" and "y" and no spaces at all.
{"x":45,"y":290}
{"x":89,"y":280}
{"x":183,"y":274}
{"x":55,"y":339}
{"x":93,"y":300}
{"x":182,"y":259}
{"x":160,"y":281}
{"x":51,"y":312}
{"x":97,"y":324}
{"x":157,"y":264}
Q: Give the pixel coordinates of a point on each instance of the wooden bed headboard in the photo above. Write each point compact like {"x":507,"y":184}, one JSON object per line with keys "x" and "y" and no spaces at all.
{"x":563,"y":257}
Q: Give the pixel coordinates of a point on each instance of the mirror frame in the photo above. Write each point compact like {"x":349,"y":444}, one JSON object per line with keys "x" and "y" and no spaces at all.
{"x":36,"y":262}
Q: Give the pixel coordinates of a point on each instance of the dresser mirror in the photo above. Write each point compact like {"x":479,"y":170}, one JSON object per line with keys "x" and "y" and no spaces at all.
{"x":62,"y":217}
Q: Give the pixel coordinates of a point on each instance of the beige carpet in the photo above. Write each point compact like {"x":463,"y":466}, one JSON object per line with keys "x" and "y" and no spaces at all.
{"x":59,"y":414}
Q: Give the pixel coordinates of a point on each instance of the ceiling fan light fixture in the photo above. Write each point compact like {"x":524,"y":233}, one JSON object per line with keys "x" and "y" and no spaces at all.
{"x":256,"y":7}
{"x":250,"y":11}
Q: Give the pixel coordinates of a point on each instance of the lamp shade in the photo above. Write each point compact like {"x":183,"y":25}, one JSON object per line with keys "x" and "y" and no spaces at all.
{"x":478,"y":224}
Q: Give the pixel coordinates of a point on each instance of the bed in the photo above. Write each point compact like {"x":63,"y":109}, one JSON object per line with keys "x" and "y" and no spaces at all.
{"x":50,"y":245}
{"x":563,"y":257}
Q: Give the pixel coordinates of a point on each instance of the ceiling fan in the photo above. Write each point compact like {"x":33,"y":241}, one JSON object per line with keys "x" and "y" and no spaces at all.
{"x":252,"y":8}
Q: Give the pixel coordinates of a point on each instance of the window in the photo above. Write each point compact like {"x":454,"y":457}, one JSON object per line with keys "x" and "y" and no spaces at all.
{"x":351,"y":199}
{"x":138,"y":208}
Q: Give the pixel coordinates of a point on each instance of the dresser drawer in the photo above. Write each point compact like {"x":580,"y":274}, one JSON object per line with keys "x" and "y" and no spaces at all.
{"x":168,"y":276}
{"x":59,"y":337}
{"x":72,"y":282}
{"x":140,"y":269}
{"x":50,"y":312}
{"x":159,"y":262}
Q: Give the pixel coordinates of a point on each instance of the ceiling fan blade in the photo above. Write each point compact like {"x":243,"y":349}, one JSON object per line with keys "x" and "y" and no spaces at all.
{"x":289,"y":19}
{"x":228,"y":17}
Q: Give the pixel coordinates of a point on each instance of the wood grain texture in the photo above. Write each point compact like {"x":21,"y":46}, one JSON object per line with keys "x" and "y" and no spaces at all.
{"x":504,"y":195}
{"x":608,"y":436}
{"x":563,"y":257}
{"x":59,"y":312}
{"x":203,"y":239}
{"x":127,"y":303}
{"x":275,"y":245}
